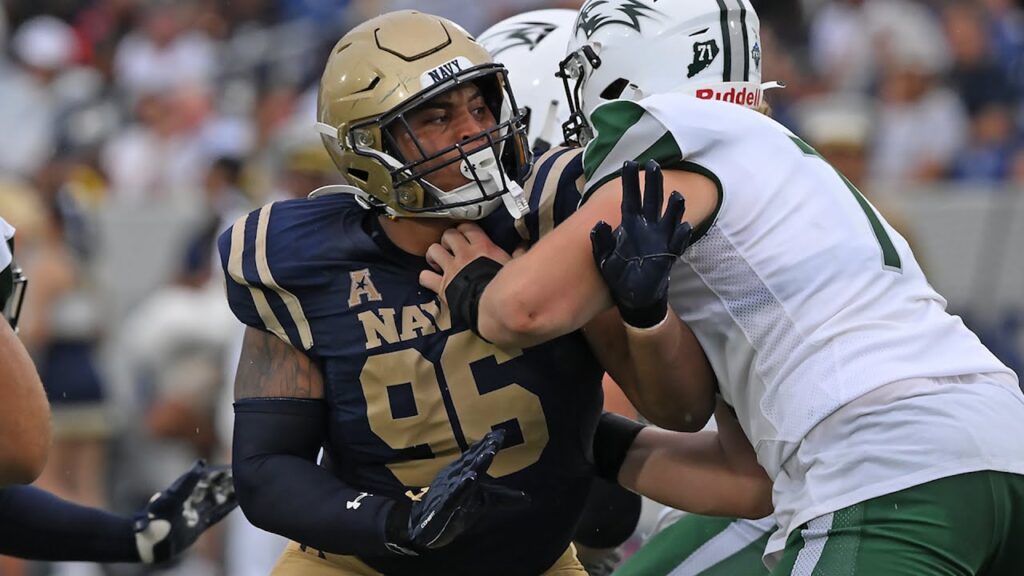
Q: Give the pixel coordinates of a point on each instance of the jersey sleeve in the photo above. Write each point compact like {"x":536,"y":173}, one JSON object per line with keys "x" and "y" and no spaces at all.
{"x":554,"y":189}
{"x":274,"y":271}
{"x":625,"y":131}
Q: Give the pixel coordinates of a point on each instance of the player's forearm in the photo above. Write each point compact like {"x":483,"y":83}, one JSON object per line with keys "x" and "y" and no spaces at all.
{"x":37,"y":525}
{"x":673,"y":385}
{"x":24,"y":413}
{"x":303,"y":502}
{"x":550,"y":291}
{"x":692,"y":472}
{"x":282,"y":490}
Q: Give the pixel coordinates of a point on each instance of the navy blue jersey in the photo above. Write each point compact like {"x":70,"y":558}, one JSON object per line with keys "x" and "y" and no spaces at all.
{"x":409,"y":389}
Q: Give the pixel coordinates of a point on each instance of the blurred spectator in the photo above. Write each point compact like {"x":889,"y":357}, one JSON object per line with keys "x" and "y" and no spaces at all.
{"x":780,"y":63}
{"x":976,"y":75}
{"x":785,"y":17}
{"x":989,"y":153}
{"x":43,"y":48}
{"x":921,"y":124}
{"x":163,"y":155}
{"x":840,"y":45}
{"x":1006,"y":29}
{"x":167,"y":53}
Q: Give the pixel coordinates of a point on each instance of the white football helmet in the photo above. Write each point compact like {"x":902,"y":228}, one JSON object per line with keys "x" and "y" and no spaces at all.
{"x":631,"y":49}
{"x":531,"y":45}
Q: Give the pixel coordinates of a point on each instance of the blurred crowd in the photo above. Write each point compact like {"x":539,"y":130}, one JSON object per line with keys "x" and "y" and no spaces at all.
{"x":133,"y":131}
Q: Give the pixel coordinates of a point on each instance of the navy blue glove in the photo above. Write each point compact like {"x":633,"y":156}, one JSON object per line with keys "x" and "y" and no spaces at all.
{"x":175,"y":517}
{"x":635,"y":259}
{"x":460,"y":494}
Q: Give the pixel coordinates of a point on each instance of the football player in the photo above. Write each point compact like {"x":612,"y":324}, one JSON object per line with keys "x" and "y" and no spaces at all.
{"x":37,"y":525}
{"x":530,"y":45}
{"x":888,"y":429}
{"x":346,"y":352}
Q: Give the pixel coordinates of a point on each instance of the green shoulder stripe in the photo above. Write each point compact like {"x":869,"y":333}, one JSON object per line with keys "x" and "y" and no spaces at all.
{"x":664,"y":151}
{"x":610,"y":121}
{"x":625,"y":131}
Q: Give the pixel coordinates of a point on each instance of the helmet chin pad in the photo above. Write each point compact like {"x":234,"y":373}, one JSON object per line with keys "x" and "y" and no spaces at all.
{"x":486,"y":179}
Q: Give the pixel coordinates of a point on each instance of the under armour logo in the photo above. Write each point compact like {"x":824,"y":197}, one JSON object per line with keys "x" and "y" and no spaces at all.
{"x":355,"y":504}
{"x":417,"y":497}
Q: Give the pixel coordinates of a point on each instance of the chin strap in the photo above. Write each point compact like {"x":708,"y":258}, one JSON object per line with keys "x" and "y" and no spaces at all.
{"x":482,"y":169}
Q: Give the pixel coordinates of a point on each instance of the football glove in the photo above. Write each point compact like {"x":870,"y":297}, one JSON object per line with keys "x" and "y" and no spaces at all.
{"x":175,"y":517}
{"x":636,"y":259}
{"x":460,"y":494}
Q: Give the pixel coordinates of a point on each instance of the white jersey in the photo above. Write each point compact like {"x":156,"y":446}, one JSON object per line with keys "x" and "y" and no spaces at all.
{"x":802,"y":296}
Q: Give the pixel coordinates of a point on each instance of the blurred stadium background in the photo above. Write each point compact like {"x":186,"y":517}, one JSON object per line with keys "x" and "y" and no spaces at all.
{"x":132,"y":131}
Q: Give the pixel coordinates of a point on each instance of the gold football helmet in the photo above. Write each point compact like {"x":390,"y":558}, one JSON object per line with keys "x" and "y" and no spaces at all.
{"x":385,"y":68}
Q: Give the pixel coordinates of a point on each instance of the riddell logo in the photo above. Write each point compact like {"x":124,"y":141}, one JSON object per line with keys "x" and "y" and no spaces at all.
{"x":743,"y":96}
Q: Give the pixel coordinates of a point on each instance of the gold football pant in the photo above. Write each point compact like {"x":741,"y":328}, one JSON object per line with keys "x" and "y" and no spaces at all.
{"x":309,"y":562}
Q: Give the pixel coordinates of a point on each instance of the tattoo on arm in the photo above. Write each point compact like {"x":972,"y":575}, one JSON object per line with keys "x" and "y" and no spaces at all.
{"x":271,"y":368}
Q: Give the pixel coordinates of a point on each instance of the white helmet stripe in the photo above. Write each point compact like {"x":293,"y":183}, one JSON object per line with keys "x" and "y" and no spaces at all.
{"x":726,"y":42}
{"x":746,"y":40}
{"x":737,"y":55}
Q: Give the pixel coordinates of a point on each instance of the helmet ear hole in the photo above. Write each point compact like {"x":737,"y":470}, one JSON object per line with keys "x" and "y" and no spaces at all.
{"x":615,"y":89}
{"x":360,"y":175}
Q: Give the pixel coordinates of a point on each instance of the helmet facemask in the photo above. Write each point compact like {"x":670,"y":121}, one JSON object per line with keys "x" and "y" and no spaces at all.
{"x":574,"y":71}
{"x":12,"y":306}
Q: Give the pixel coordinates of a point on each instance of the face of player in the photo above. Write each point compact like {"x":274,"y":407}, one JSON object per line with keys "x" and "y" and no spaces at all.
{"x":459,"y":115}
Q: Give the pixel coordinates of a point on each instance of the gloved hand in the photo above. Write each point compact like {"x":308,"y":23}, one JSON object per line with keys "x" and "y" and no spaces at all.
{"x":460,"y":494}
{"x":175,"y":517}
{"x":636,"y":259}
